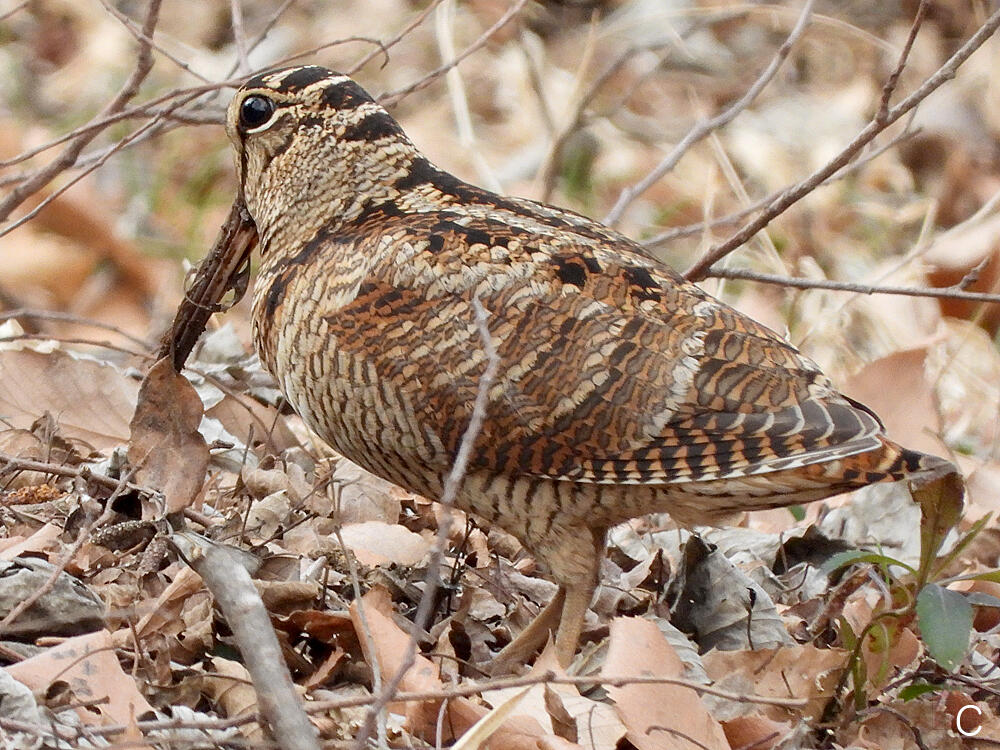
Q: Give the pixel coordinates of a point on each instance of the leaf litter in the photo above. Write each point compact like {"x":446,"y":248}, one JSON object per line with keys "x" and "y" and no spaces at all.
{"x":319,"y":531}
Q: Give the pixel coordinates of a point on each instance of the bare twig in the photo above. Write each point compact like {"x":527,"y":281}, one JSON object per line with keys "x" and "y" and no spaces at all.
{"x":878,"y":124}
{"x":893,"y":81}
{"x":9,"y":463}
{"x":444,"y":20}
{"x":239,"y":36}
{"x":262,"y":35}
{"x":65,"y":317}
{"x":455,"y":691}
{"x":849,"y":286}
{"x":133,"y":28}
{"x":386,"y":46}
{"x":379,"y":49}
{"x":146,"y":109}
{"x":705,"y":127}
{"x":68,"y":157}
{"x":146,"y":128}
{"x":918,"y":737}
{"x":735,"y":217}
{"x":15,"y":9}
{"x":452,"y":484}
{"x":376,"y":714}
{"x":393,"y":97}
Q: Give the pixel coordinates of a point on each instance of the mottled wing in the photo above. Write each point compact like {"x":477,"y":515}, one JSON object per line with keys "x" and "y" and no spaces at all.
{"x":611,"y":368}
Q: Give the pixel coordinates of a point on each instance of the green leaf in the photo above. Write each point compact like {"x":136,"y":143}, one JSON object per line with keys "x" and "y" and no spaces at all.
{"x":852,"y":556}
{"x":945,"y":618}
{"x":917,"y":689}
{"x":940,"y":509}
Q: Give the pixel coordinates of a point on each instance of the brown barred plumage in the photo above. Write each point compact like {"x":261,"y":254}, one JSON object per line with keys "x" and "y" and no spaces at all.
{"x":623,"y":389}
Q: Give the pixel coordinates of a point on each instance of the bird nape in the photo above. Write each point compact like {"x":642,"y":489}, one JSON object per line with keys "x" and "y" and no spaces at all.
{"x":622,"y":388}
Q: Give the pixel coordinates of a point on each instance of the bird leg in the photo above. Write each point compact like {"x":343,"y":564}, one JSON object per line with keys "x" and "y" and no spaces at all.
{"x":571,"y":623}
{"x":579,"y":590}
{"x":576,"y":566}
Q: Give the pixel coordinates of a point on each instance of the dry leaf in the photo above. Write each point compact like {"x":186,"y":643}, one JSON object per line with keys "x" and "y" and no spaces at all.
{"x":804,"y":672}
{"x":231,"y":687}
{"x":165,"y":446}
{"x":391,"y":645}
{"x":758,"y":732}
{"x":380,"y":543}
{"x":90,"y":401}
{"x":486,"y":727}
{"x":89,"y":664}
{"x":954,"y":254}
{"x":896,"y":388}
{"x":165,"y":610}
{"x":658,"y":716}
{"x":892,"y":731}
{"x":360,"y":496}
{"x":245,"y":418}
{"x":45,"y":539}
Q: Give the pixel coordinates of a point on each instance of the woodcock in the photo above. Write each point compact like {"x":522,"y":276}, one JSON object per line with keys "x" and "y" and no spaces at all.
{"x":622,"y":388}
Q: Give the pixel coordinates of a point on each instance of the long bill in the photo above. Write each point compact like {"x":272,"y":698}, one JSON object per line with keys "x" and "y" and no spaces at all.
{"x":226,"y":268}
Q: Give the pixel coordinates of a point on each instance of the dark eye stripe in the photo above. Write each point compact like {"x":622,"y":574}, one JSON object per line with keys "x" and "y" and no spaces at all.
{"x":290,"y":80}
{"x":302,"y":77}
{"x":345,"y":95}
{"x":372,"y":127}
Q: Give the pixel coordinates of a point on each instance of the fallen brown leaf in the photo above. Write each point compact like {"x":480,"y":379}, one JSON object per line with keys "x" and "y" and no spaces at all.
{"x":390,"y":647}
{"x":658,"y":717}
{"x":165,"y":446}
{"x":380,"y":543}
{"x":90,"y":665}
{"x":758,"y":732}
{"x":791,"y":672}
{"x":231,"y":687}
{"x":90,"y":401}
{"x":43,"y":540}
{"x":896,"y":388}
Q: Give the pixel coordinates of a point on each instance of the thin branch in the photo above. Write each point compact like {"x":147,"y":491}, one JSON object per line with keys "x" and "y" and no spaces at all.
{"x":271,"y":23}
{"x":878,"y":124}
{"x":144,"y":64}
{"x":699,"y":227}
{"x":65,"y":317}
{"x":547,"y":173}
{"x":239,"y":36}
{"x":377,"y":44}
{"x":703,"y":128}
{"x":9,"y":463}
{"x":137,"y":135}
{"x":96,"y":126}
{"x":15,"y":9}
{"x":444,"y":22}
{"x":133,"y":28}
{"x":393,"y":97}
{"x":454,"y":691}
{"x":848,"y":286}
{"x":375,"y":714}
{"x":893,"y":81}
{"x":386,"y":46}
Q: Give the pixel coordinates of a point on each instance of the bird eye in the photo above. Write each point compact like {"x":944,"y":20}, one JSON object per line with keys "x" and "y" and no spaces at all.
{"x":255,"y":111}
